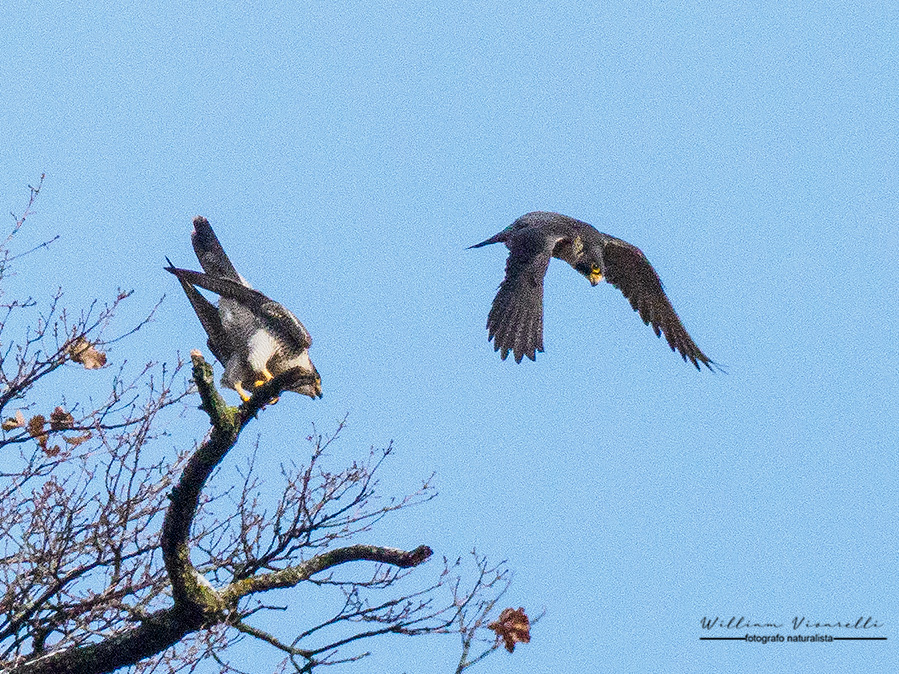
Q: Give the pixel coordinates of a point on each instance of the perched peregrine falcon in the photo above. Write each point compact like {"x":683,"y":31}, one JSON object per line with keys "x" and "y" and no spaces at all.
{"x":254,"y":337}
{"x":515,"y":322}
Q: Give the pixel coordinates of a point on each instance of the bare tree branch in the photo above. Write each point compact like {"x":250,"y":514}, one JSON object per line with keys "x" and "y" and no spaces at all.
{"x":110,"y":545}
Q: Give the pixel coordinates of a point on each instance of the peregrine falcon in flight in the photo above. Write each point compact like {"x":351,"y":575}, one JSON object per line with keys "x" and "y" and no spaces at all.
{"x":515,"y":323}
{"x":254,"y":337}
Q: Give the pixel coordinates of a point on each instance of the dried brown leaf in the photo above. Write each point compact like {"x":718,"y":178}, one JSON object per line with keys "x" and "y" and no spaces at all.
{"x":36,"y":426}
{"x":78,"y":439}
{"x":17,"y":421}
{"x":49,"y":451}
{"x":512,"y":627}
{"x":36,"y":430}
{"x":60,"y":420}
{"x":82,"y":351}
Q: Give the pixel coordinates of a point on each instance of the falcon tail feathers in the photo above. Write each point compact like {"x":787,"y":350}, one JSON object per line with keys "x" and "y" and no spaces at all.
{"x":210,"y":253}
{"x":498,"y":238}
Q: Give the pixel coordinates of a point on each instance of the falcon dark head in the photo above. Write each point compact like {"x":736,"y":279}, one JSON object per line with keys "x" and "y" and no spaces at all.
{"x":515,"y":322}
{"x":590,"y":265}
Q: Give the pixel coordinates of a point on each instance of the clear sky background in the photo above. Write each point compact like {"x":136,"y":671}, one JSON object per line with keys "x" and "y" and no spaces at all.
{"x":348,"y":153}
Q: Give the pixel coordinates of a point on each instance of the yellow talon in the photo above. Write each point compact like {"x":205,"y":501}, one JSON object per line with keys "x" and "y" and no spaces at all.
{"x":241,"y":392}
{"x":266,"y":377}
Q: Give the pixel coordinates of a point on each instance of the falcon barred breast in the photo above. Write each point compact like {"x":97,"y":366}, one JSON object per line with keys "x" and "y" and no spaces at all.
{"x":515,"y":322}
{"x":254,"y":337}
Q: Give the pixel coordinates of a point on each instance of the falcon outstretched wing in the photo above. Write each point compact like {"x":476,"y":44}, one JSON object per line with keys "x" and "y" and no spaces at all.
{"x":278,"y":318}
{"x":627,"y":269}
{"x":217,"y":338}
{"x":515,"y":322}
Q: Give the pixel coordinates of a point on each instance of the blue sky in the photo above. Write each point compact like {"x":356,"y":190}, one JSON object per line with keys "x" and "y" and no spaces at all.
{"x":347,"y":154}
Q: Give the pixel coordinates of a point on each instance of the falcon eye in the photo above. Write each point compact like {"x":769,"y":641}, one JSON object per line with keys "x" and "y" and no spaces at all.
{"x":595,"y":268}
